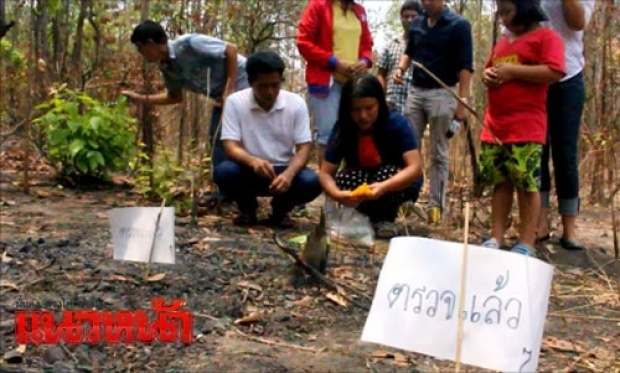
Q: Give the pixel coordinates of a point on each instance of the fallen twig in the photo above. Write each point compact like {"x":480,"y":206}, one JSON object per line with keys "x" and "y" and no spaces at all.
{"x":277,"y":344}
{"x":614,"y":226}
{"x":585,"y":317}
{"x":316,"y":274}
{"x":45,"y":266}
{"x":261,"y":340}
{"x":68,"y":352}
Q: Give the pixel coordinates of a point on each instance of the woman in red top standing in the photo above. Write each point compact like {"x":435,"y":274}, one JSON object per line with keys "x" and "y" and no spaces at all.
{"x":334,"y":39}
{"x":522,"y":65}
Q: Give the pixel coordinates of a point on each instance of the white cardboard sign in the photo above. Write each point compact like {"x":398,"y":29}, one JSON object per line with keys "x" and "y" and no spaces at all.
{"x":133,"y":229}
{"x":415,"y":306}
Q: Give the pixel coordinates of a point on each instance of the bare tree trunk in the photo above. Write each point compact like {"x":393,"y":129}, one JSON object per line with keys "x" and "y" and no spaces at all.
{"x":76,"y":56}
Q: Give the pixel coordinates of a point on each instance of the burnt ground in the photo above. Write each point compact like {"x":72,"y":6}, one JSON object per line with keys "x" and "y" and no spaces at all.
{"x":56,"y":245}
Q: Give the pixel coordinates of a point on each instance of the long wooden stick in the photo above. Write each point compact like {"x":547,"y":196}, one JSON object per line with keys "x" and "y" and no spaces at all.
{"x":446,"y":87}
{"x":459,"y":332}
{"x":148,"y":265}
{"x":314,"y":273}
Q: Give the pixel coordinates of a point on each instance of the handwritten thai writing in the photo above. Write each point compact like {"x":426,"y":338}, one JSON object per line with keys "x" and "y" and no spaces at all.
{"x":139,"y":233}
{"x":528,"y":358}
{"x":171,"y":324}
{"x":492,"y":310}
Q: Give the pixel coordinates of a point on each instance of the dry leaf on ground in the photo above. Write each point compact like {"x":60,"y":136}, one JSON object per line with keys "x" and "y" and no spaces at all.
{"x":250,"y":285}
{"x":118,"y":278}
{"x":561,"y":345}
{"x":8,"y":284}
{"x":42,"y":194}
{"x":253,"y":317}
{"x":381,"y":354}
{"x":156,"y":277}
{"x":304,"y":302}
{"x":337,"y":298}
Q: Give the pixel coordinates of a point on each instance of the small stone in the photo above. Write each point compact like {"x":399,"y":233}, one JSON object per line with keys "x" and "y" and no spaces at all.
{"x":281,"y":316}
{"x":211,"y":326}
{"x":63,"y":367}
{"x":53,"y":354}
{"x":63,"y":243}
{"x":13,"y":357}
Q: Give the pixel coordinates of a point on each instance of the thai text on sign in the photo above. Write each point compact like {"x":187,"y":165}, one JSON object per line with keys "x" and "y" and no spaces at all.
{"x":416,"y":303}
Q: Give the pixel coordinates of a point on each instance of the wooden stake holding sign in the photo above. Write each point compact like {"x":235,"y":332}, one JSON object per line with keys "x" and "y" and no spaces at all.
{"x":459,"y":333}
{"x":147,"y":268}
{"x":491,"y":315}
{"x":144,"y":234}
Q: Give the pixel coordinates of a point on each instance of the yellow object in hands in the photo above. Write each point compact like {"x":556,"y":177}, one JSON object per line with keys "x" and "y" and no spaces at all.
{"x":362,"y":191}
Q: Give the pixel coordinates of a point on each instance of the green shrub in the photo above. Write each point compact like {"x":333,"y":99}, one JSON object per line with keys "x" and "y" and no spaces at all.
{"x":85,"y":137}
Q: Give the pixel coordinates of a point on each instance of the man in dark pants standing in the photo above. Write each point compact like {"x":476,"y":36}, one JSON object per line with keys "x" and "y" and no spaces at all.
{"x":441,"y":41}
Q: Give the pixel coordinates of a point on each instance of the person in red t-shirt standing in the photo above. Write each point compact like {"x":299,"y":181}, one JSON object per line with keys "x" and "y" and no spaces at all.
{"x":522,"y":65}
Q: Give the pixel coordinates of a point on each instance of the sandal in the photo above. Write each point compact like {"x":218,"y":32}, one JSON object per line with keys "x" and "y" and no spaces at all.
{"x":385,"y":230}
{"x":300,"y":211}
{"x":571,"y":245}
{"x":522,"y":249}
{"x":491,"y":243}
{"x":245,"y":219}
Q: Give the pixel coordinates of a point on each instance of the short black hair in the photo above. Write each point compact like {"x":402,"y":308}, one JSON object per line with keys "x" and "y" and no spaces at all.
{"x":528,"y":12}
{"x":263,"y":62}
{"x":411,"y":5}
{"x":149,"y":30}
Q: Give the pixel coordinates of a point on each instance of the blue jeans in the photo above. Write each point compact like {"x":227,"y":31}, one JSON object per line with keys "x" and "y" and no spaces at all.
{"x":218,"y":154}
{"x":242,"y":185}
{"x":565,"y":102}
{"x":325,"y":112}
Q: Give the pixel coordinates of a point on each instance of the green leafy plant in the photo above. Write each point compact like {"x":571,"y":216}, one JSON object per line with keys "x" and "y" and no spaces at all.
{"x":169,"y":179}
{"x":84,"y":137}
{"x":12,"y":56}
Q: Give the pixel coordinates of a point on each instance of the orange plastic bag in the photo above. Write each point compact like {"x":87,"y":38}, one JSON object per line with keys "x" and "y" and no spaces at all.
{"x":362,"y":191}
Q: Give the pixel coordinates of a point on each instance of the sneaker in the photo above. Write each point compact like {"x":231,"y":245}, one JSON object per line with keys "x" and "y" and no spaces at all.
{"x":434,"y":215}
{"x":522,"y":249}
{"x":491,"y":244}
{"x":571,"y":245}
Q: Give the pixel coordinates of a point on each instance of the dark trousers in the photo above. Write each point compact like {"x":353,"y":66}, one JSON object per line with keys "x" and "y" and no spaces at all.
{"x":242,"y":185}
{"x":565,"y":102}
{"x":386,"y":207}
{"x":218,"y":154}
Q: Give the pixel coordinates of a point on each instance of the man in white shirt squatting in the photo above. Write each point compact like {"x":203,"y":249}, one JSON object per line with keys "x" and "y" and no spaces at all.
{"x":267,"y":140}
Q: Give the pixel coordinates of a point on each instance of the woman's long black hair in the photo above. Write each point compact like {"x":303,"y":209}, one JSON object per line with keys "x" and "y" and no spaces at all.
{"x":363,"y":86}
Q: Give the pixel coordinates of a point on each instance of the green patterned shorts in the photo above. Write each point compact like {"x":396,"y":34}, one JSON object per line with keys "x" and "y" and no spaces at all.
{"x":518,"y":164}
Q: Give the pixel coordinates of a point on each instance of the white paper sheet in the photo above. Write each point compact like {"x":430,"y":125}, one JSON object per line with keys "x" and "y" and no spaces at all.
{"x":416,"y":303}
{"x":133,"y":229}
